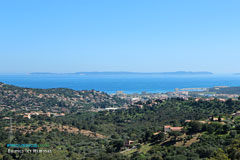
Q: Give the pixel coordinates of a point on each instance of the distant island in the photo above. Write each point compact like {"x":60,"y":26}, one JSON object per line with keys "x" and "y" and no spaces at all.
{"x":127,"y":73}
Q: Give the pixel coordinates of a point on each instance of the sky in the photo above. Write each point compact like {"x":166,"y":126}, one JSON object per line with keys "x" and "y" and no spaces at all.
{"x":119,"y":35}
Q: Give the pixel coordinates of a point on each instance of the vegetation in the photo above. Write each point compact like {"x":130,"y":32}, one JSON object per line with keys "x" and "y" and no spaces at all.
{"x":211,"y":132}
{"x":227,"y":90}
{"x":56,"y":99}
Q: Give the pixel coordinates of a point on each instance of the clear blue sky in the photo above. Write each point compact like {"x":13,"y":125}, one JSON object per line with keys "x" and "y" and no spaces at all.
{"x":119,"y":35}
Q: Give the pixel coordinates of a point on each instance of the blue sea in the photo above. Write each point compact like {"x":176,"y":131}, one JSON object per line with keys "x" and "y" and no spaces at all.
{"x":126,"y":83}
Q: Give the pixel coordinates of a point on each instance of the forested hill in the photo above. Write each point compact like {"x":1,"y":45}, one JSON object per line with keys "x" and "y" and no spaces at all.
{"x":13,"y":97}
{"x":105,"y":135}
{"x":226,"y":90}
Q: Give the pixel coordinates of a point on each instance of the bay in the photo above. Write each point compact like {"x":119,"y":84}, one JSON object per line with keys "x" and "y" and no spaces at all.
{"x":127,"y":83}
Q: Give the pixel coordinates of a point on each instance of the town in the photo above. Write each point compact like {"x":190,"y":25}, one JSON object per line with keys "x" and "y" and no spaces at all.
{"x":205,"y":94}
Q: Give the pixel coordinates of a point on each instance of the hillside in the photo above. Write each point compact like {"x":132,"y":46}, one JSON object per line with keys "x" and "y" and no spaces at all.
{"x":56,"y":99}
{"x":205,"y":129}
{"x":108,"y":134}
{"x":225,"y":90}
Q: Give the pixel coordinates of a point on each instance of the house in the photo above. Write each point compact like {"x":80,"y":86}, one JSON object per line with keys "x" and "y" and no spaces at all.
{"x":156,"y":133}
{"x":27,"y":116}
{"x":176,"y":129}
{"x":167,"y":128}
{"x":35,"y":113}
{"x":188,"y":121}
{"x":216,"y":119}
{"x":6,"y":118}
{"x":222,"y":100}
{"x":48,"y":114}
{"x":172,"y":129}
{"x":197,"y":99}
{"x":128,"y":143}
{"x":140,"y":106}
{"x":236,"y":114}
{"x":111,"y":108}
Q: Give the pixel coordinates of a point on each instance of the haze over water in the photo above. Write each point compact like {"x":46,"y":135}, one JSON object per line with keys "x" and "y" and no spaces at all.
{"x":126,"y":83}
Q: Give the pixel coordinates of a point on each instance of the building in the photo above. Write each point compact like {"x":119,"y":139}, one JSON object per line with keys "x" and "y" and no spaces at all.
{"x":188,"y":121}
{"x":136,"y":99}
{"x":111,"y":108}
{"x":119,"y":93}
{"x":176,"y":129}
{"x":167,"y":128}
{"x":172,"y":129}
{"x":236,"y":114}
{"x":156,"y":133}
{"x":128,"y":143}
{"x":27,"y":116}
{"x":216,"y":118}
{"x":6,"y":118}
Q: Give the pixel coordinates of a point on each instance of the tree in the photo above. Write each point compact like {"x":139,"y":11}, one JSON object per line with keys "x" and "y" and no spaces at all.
{"x":175,"y":135}
{"x":229,"y":102}
{"x":233,"y":133}
{"x":159,"y":137}
{"x":195,"y":127}
{"x":118,"y":144}
{"x":7,"y":157}
{"x":138,"y":156}
{"x":226,"y":128}
{"x":219,"y":119}
{"x":210,"y":129}
{"x":147,"y":136}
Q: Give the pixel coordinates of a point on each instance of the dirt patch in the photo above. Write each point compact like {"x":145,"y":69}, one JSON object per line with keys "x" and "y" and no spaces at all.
{"x":61,"y":128}
{"x":91,"y":134}
{"x":188,"y":143}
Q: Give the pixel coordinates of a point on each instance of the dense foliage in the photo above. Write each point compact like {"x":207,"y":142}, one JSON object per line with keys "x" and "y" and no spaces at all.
{"x":227,"y":90}
{"x":216,"y":140}
{"x":56,"y":99}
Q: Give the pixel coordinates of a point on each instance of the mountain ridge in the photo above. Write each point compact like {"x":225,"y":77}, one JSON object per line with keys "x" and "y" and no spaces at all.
{"x":130,"y":73}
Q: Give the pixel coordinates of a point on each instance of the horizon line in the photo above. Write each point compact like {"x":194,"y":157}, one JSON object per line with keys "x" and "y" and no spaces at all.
{"x":136,"y":72}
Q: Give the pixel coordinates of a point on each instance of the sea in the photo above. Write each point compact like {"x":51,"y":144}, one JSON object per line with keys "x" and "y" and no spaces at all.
{"x":127,"y":83}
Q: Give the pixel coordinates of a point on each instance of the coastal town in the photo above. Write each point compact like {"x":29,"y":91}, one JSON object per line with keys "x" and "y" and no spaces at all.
{"x":205,"y":94}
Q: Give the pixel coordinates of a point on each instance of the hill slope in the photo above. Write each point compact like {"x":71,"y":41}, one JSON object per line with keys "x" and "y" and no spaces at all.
{"x":17,"y":98}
